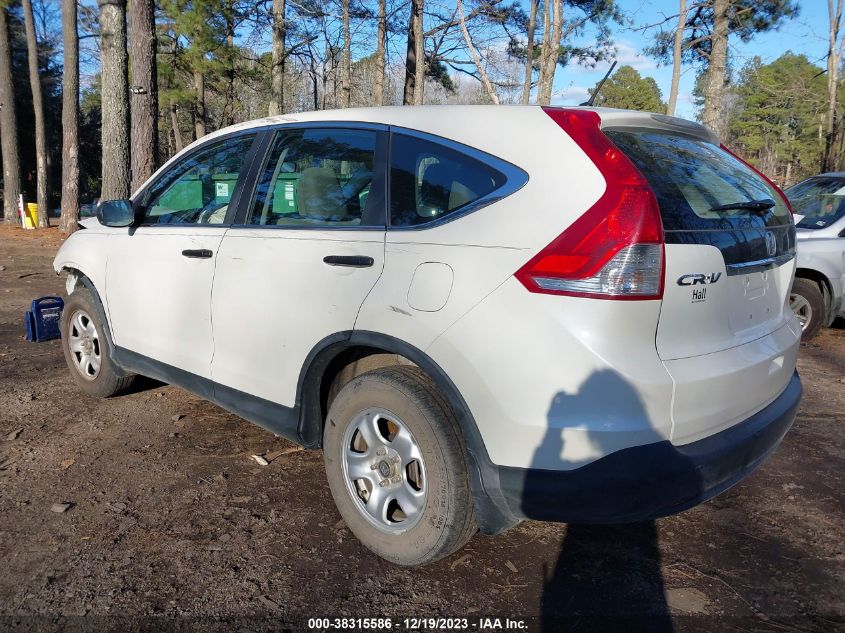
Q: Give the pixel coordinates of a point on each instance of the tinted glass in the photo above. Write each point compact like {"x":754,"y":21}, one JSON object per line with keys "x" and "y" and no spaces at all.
{"x":199,"y":188}
{"x":690,"y":177}
{"x":820,"y":200}
{"x":429,"y":181}
{"x":318,"y":177}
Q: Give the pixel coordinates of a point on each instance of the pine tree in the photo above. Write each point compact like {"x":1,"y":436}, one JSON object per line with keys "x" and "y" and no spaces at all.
{"x":70,"y":119}
{"x":41,"y":156}
{"x":144,"y":100}
{"x":115,"y":100}
{"x":627,"y":89}
{"x":8,"y":128}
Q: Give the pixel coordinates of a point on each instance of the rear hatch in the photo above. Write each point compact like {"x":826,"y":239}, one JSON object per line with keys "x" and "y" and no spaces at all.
{"x":730,"y":242}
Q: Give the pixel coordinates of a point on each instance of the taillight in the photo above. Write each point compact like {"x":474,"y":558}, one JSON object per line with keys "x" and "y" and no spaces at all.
{"x":614,"y":250}
{"x":764,"y":177}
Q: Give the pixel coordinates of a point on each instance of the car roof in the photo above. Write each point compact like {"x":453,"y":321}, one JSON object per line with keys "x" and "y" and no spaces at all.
{"x":429,"y":118}
{"x":495,"y":129}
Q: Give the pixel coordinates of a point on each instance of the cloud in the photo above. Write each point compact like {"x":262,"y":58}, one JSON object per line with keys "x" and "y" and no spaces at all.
{"x":571,"y":95}
{"x":626,"y":55}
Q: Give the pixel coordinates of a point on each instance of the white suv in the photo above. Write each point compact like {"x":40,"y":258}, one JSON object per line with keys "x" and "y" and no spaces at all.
{"x":481,"y":314}
{"x":818,"y":292}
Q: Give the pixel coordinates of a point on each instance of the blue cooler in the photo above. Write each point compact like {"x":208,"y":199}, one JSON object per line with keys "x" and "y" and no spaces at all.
{"x":42,"y":320}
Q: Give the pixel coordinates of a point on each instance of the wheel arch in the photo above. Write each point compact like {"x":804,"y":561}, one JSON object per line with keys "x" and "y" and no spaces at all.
{"x":77,"y":277}
{"x":364,"y":351}
{"x":826,"y":287}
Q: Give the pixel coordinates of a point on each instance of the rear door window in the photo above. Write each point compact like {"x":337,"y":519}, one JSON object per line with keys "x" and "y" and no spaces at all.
{"x":429,"y":181}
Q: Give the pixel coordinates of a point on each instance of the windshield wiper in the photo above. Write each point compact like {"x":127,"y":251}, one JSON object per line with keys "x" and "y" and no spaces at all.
{"x":751,"y":205}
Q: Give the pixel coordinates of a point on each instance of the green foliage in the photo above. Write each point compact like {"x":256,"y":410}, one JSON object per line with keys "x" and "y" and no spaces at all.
{"x":599,"y":16}
{"x":629,"y":90}
{"x":746,"y":19}
{"x":580,"y":16}
{"x":90,"y":154}
{"x":196,"y":33}
{"x":775,"y":121}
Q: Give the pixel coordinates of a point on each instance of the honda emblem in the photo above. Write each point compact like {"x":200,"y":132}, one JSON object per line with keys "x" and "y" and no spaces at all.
{"x":771,"y":244}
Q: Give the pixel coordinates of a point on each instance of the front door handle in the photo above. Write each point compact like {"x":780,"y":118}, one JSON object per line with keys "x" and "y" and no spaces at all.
{"x":198,"y":253}
{"x":352,"y":261}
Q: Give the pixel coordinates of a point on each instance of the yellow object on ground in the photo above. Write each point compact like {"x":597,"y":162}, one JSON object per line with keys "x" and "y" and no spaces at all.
{"x":31,"y":216}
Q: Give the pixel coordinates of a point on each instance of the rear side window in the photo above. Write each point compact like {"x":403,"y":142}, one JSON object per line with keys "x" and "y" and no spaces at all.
{"x":429,"y":181}
{"x":692,"y":177}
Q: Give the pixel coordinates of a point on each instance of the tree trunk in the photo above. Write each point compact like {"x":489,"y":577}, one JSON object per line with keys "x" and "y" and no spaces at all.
{"x":41,"y":157}
{"x":677,"y":51}
{"x":199,"y":120}
{"x":229,"y":109}
{"x":378,"y":89}
{"x":419,"y":41}
{"x":529,"y":53}
{"x":277,"y":69}
{"x":346,"y":61}
{"x":70,"y":120}
{"x":144,"y":100}
{"x":115,"y":96}
{"x":411,"y":58}
{"x":714,"y":82}
{"x":834,"y":55}
{"x":8,"y":128}
{"x":174,"y":124}
{"x":313,"y":69}
{"x":552,"y":30}
{"x":485,"y":80}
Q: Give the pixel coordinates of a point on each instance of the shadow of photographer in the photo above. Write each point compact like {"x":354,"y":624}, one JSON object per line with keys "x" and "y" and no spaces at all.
{"x":607,"y":575}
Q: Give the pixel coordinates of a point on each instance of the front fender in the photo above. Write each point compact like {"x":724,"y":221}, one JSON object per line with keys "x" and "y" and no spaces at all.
{"x":85,"y":253}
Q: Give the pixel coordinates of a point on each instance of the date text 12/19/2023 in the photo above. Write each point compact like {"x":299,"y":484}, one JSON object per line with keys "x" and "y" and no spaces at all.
{"x":480,"y":624}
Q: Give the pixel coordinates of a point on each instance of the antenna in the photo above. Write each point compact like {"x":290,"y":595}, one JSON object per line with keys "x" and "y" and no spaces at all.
{"x":589,"y":102}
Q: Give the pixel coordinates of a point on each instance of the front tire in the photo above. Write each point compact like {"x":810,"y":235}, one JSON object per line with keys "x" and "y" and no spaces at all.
{"x":807,"y":304}
{"x":395,"y":463}
{"x":87,"y":351}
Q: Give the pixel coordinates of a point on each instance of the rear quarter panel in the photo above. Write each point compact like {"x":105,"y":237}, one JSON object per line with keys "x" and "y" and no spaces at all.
{"x":485,"y":247}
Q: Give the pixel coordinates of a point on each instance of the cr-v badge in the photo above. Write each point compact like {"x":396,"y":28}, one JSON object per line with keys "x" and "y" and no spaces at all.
{"x":695,"y":279}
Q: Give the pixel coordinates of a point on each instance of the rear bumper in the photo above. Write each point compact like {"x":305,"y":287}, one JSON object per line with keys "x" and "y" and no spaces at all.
{"x":652,"y":480}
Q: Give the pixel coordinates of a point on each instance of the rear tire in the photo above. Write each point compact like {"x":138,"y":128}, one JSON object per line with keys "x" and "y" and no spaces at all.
{"x":807,"y":304}
{"x":87,"y":349}
{"x":410,"y":502}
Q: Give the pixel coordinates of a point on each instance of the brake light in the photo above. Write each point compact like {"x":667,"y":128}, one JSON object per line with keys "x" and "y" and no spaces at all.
{"x":763,"y":176}
{"x":614,"y":250}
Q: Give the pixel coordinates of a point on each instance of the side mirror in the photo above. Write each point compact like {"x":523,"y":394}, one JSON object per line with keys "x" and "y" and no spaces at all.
{"x":115,"y":213}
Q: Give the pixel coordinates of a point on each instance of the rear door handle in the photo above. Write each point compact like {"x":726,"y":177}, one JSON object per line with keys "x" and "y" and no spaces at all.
{"x":352,"y":261}
{"x":198,"y":253}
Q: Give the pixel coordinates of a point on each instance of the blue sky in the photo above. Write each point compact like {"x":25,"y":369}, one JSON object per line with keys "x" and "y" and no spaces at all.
{"x":805,"y":34}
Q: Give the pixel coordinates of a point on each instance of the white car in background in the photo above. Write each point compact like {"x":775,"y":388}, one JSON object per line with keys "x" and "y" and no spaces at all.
{"x":818,"y":293}
{"x":480,"y":314}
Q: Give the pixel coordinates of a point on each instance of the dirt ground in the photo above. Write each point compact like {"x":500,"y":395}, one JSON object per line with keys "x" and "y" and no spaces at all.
{"x":173,"y":526}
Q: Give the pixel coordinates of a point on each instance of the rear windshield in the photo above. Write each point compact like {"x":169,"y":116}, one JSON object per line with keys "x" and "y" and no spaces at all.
{"x":821,"y":200}
{"x":691,"y":177}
